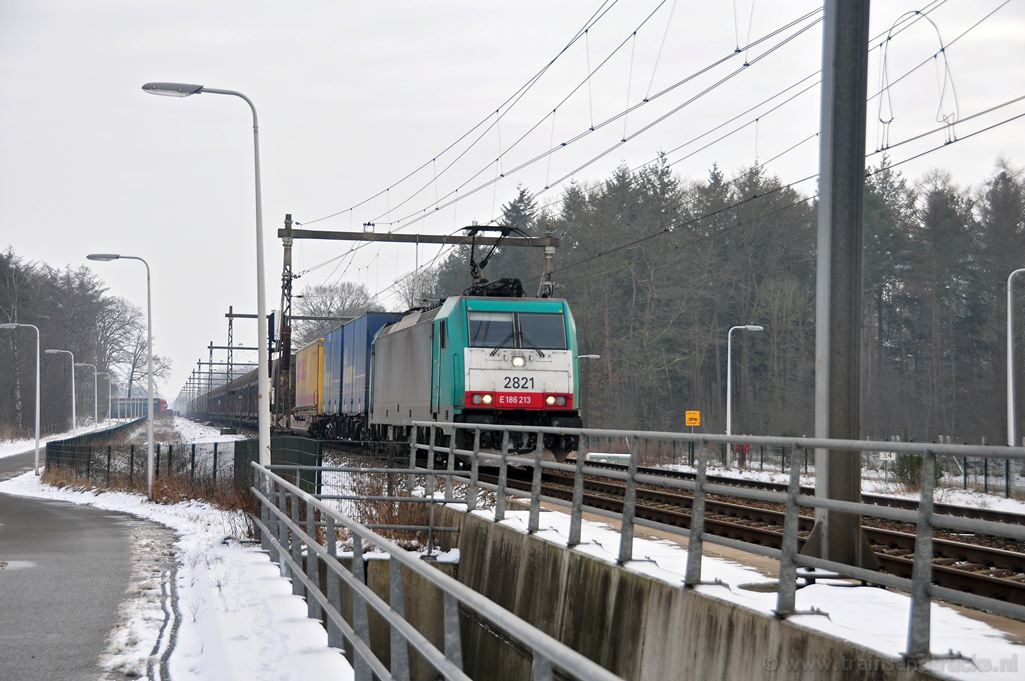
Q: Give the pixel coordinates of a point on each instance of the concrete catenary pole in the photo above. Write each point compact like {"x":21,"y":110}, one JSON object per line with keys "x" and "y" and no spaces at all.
{"x":837,"y":536}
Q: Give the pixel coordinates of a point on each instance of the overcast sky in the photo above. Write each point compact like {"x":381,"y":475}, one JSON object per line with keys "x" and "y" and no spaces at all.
{"x":352,"y":96}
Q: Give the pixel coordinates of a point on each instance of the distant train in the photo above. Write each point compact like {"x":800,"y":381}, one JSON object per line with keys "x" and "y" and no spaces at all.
{"x":131,"y":407}
{"x":488,"y":360}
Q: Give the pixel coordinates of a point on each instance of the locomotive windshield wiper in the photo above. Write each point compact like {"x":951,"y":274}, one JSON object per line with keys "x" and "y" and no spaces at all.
{"x":512,"y":334}
{"x":527,"y":341}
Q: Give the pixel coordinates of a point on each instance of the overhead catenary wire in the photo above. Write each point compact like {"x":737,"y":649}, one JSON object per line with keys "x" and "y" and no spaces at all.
{"x":421,"y":214}
{"x":754,"y":197}
{"x":508,"y":104}
{"x":538,"y":123}
{"x":911,"y":20}
{"x":418,"y":215}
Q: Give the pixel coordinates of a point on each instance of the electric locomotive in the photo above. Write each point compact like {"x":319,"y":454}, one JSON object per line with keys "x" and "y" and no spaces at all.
{"x":479,"y":360}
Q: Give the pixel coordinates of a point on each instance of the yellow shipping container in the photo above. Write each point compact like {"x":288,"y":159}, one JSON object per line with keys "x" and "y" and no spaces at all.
{"x":309,"y":372}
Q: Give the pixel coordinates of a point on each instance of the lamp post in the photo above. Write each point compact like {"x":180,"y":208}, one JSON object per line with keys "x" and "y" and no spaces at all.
{"x":96,"y":411}
{"x":109,"y":393}
{"x":729,"y":371}
{"x":263,"y":375}
{"x":74,"y":418}
{"x":12,"y":326}
{"x":1012,"y":430}
{"x":106,"y":257}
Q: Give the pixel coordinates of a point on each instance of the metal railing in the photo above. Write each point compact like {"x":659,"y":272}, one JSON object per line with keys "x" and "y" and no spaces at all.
{"x":920,"y":586}
{"x":289,"y":529}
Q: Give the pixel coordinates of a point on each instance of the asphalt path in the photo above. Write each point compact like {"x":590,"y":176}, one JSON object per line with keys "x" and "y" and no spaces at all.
{"x":64,"y":569}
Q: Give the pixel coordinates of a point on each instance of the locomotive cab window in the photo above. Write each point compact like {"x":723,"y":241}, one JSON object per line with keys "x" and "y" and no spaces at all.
{"x":542,"y":331}
{"x":491,"y":329}
{"x":526,"y":330}
{"x":444,"y":334}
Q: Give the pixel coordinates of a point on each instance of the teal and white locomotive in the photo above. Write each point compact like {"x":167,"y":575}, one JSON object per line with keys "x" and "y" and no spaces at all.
{"x":479,"y":359}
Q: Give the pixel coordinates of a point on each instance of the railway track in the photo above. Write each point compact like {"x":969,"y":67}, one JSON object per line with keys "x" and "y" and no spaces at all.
{"x":983,"y":570}
{"x":877,"y":499}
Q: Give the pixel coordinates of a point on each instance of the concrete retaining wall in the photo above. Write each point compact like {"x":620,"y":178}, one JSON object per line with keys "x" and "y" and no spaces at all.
{"x":640,"y":628}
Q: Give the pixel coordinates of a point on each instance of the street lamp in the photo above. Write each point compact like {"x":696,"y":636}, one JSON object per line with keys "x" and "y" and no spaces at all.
{"x":1012,"y":430}
{"x":729,"y":371}
{"x":12,"y":326}
{"x":263,"y":376}
{"x":74,"y":419}
{"x":106,"y":257}
{"x":109,"y":393}
{"x":96,"y":411}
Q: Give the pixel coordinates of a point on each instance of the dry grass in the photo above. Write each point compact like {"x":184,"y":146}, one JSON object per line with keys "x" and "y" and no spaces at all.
{"x":230,"y":497}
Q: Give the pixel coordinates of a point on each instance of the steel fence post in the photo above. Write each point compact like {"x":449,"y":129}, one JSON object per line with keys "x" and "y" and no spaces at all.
{"x":761,"y":457}
{"x":89,"y":463}
{"x":265,"y":517}
{"x":283,"y":532}
{"x":397,"y":602}
{"x":192,"y":463}
{"x":787,"y":594}
{"x":921,"y":571}
{"x":471,"y":492}
{"x":985,"y":475}
{"x":170,"y":459}
{"x":295,"y":546}
{"x":334,"y":591}
{"x":450,"y":466}
{"x":431,"y":486}
{"x":430,"y":462}
{"x":534,"y":517}
{"x":453,"y":642}
{"x":1007,"y":478}
{"x":108,"y":464}
{"x":503,"y":475}
{"x":540,"y":668}
{"x":359,"y":609}
{"x":413,"y":442}
{"x":577,"y":507}
{"x":964,"y":471}
{"x":131,"y":465}
{"x":156,"y":467}
{"x":692,"y":577}
{"x":312,"y":565}
{"x":215,"y":462}
{"x":626,"y":529}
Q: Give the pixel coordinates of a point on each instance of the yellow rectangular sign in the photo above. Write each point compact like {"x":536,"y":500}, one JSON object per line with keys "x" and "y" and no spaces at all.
{"x":692,"y":418}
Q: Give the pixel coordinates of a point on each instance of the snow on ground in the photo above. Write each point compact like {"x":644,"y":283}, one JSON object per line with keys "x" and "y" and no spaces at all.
{"x":944,"y":495}
{"x":191,"y":431}
{"x":868,"y":616}
{"x":15,"y":447}
{"x":239,"y":619}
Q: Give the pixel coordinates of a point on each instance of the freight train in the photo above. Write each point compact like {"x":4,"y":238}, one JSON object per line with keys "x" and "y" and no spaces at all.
{"x":470,"y":359}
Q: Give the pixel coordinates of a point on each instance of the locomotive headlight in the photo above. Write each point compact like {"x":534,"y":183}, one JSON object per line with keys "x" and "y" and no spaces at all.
{"x":550,"y":400}
{"x":561,"y":400}
{"x":486,"y":399}
{"x":476,"y":399}
{"x":519,"y":361}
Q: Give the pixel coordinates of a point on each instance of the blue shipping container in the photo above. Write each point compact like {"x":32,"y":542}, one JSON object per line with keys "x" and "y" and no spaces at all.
{"x":332,"y":387}
{"x":358,"y":335}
